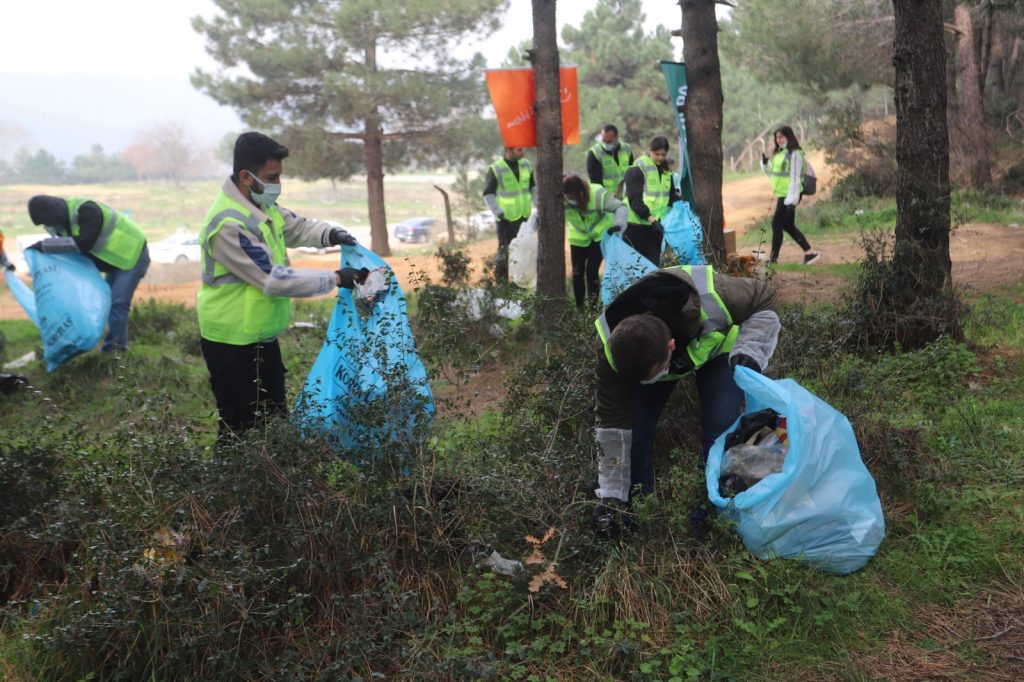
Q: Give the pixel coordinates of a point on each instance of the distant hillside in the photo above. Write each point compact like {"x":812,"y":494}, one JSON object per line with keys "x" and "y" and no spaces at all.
{"x":66,"y":115}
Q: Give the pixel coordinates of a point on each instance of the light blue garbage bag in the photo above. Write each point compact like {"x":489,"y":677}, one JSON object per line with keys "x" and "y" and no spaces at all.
{"x":683,"y":234}
{"x":368,"y":389}
{"x":69,"y":303}
{"x":623,"y":265}
{"x":822,"y":507}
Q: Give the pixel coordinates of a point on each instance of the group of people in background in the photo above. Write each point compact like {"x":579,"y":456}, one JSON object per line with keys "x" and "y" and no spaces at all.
{"x":627,"y":194}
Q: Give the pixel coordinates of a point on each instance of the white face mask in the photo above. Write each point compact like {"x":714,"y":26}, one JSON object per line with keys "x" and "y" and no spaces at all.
{"x":659,"y":375}
{"x":609,"y":146}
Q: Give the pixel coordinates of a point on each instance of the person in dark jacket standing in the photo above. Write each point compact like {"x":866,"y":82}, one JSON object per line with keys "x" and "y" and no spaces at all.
{"x":670,"y":324}
{"x":509,"y":192}
{"x":649,"y":194}
{"x":608,"y":161}
{"x":109,"y":238}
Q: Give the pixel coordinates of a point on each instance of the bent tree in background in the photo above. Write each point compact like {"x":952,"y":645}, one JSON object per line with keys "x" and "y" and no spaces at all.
{"x":915,"y":302}
{"x":370,"y":77}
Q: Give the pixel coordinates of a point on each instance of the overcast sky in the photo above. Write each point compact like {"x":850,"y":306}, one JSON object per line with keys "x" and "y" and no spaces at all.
{"x":150,"y":39}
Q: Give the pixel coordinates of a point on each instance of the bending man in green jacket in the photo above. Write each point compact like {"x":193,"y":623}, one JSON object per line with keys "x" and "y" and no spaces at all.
{"x":670,"y":324}
{"x":245,"y":298}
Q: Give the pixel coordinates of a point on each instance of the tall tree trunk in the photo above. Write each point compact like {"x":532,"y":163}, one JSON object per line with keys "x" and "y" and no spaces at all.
{"x":972,"y":108}
{"x":551,"y":218}
{"x":373,"y":156}
{"x":921,"y":263}
{"x":704,"y":117}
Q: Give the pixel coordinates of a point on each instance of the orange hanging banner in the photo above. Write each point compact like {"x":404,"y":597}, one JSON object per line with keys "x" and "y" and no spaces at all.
{"x":512,"y":93}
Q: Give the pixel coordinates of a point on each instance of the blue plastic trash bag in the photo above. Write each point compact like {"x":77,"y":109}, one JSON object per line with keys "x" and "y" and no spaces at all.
{"x":69,"y":303}
{"x":683,"y":234}
{"x":822,"y":507}
{"x":368,"y":389}
{"x":623,"y":265}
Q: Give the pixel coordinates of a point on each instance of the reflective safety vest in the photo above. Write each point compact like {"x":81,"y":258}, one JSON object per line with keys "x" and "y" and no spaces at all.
{"x":613,"y":166}
{"x":779,"y":173}
{"x":718,"y":333}
{"x":120,"y":240}
{"x":588,"y":227}
{"x":231,"y":311}
{"x":657,"y":187}
{"x":513,"y":195}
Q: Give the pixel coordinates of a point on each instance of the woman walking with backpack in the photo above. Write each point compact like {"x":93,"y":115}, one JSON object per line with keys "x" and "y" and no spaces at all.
{"x":786,"y":170}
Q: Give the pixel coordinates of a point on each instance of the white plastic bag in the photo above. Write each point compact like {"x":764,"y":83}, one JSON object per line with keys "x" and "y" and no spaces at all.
{"x":522,"y":255}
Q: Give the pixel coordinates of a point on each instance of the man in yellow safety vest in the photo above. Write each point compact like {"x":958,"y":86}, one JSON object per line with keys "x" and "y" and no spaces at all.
{"x":244,"y":301}
{"x":509,"y":192}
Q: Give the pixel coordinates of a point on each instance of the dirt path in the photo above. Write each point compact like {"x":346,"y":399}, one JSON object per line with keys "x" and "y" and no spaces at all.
{"x":984,"y":256}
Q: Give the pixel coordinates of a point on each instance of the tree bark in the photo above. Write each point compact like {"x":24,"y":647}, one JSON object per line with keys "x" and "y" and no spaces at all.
{"x":548,"y":113}
{"x":373,"y":155}
{"x":972,"y":109}
{"x":704,"y":117}
{"x":922,"y":151}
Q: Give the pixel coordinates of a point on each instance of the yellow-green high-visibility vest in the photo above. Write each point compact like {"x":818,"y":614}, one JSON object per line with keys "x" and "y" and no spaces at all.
{"x":588,"y":227}
{"x":513,"y":195}
{"x":231,"y":311}
{"x":120,"y":240}
{"x":718,"y":333}
{"x":657,"y":187}
{"x":780,"y":173}
{"x":613,"y":166}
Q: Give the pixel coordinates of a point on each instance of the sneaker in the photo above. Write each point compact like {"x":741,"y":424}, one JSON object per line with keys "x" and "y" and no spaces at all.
{"x":811,"y":257}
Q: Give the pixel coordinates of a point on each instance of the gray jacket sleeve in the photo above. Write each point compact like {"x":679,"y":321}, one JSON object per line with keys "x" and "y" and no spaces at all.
{"x":492,"y":203}
{"x":299,"y":231}
{"x":250,"y":260}
{"x":754,"y":306}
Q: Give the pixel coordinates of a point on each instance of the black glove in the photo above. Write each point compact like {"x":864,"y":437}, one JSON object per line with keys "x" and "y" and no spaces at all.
{"x":764,"y":159}
{"x":350,"y":276}
{"x":9,"y":267}
{"x":614,"y":228}
{"x":741,"y":360}
{"x":339,"y":236}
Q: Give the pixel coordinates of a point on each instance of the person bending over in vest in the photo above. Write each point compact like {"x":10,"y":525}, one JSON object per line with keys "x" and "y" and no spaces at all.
{"x":244,"y":301}
{"x":649,"y":193}
{"x":109,"y":238}
{"x":590,"y":211}
{"x":670,"y":324}
{"x":510,"y":192}
{"x":786,"y":171}
{"x":608,"y":160}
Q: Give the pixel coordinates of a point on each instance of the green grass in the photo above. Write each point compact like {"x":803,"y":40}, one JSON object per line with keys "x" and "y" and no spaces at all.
{"x":939,"y":427}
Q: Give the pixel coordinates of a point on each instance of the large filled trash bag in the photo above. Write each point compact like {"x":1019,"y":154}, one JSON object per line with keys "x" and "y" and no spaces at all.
{"x":623,"y":265}
{"x":69,"y":301}
{"x":368,"y":391}
{"x":683,"y":234}
{"x":822,"y":507}
{"x":522,"y":255}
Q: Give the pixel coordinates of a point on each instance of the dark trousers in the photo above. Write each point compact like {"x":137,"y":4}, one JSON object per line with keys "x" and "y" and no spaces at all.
{"x":247,"y":383}
{"x":646,"y":239}
{"x":784,"y":220}
{"x":586,"y":261}
{"x":507,"y":231}
{"x":720,"y":403}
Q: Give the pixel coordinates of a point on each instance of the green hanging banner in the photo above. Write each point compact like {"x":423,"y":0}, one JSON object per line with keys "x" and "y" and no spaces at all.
{"x":675,"y":77}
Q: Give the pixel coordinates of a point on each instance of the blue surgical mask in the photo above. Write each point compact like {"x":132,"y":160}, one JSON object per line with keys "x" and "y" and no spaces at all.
{"x":268,"y":197}
{"x":609,"y":146}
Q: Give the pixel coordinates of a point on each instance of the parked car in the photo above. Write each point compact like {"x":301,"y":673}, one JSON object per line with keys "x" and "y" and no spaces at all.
{"x":180,"y":247}
{"x":417,"y":230}
{"x":483,"y":222}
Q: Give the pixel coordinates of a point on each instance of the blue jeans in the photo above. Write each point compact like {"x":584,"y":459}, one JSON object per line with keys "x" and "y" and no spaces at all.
{"x":122,"y":287}
{"x":720,"y":404}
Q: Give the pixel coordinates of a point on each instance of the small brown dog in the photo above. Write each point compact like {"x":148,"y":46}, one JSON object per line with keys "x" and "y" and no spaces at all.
{"x":743,"y":266}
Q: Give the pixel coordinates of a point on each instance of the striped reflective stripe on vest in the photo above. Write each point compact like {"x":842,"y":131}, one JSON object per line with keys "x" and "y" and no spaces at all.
{"x":605,"y":334}
{"x":714,"y":316}
{"x":251,"y":223}
{"x":652,"y":184}
{"x":105,"y":232}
